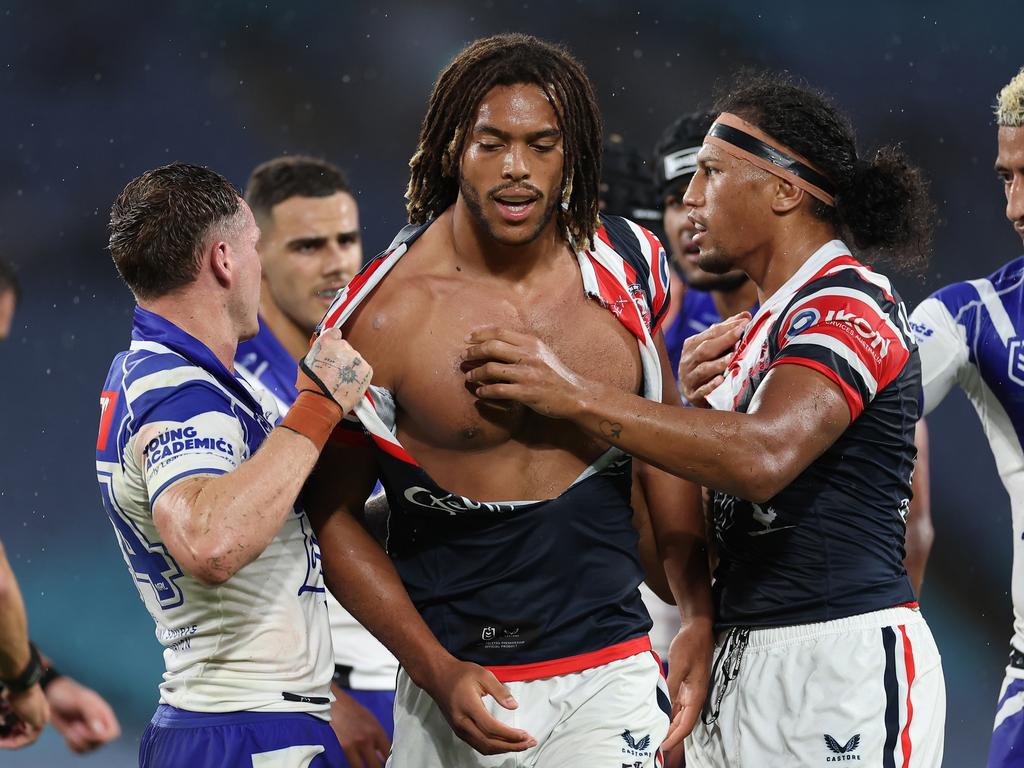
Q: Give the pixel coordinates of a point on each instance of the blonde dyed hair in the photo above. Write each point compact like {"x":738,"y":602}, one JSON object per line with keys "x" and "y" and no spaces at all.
{"x":1010,"y":103}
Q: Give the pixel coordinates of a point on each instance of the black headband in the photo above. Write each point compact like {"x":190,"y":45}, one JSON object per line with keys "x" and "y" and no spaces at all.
{"x":758,"y":148}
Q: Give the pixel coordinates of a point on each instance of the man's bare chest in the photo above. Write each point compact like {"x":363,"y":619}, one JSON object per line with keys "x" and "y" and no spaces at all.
{"x":437,"y":407}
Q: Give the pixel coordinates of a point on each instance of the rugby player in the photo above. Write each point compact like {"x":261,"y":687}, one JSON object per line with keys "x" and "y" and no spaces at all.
{"x":514,"y":534}
{"x":309,"y":248}
{"x":200,"y":488}
{"x":970,"y":334}
{"x":822,"y":651}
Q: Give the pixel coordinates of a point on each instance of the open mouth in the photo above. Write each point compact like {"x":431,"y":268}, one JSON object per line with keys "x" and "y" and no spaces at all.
{"x":515,"y":205}
{"x":327,"y":294}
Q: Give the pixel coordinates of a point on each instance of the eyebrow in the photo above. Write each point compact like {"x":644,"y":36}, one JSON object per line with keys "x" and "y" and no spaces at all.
{"x":546,"y":133}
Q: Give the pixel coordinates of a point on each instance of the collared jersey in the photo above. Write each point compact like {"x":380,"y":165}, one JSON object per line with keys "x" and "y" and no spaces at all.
{"x":260,"y":641}
{"x":830,"y":544}
{"x":268,"y":366}
{"x":528,"y":588}
{"x":971,"y":334}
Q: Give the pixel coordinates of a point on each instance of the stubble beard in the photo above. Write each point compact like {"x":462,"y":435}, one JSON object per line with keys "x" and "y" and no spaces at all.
{"x":476,"y":209}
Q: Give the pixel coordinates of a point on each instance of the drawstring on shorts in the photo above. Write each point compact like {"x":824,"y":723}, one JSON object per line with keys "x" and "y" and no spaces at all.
{"x":725,"y":669}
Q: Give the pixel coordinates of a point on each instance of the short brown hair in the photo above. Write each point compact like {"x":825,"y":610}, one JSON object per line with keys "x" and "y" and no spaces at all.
{"x":159,"y":223}
{"x":291,"y":176}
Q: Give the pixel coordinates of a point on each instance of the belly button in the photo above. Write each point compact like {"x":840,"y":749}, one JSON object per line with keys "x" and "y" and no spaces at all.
{"x":470,"y":432}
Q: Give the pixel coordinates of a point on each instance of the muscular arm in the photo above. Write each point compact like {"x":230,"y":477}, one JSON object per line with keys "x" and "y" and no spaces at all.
{"x":361,"y":575}
{"x":795,"y":415}
{"x":214,"y":526}
{"x":14,"y":652}
{"x":920,"y":533}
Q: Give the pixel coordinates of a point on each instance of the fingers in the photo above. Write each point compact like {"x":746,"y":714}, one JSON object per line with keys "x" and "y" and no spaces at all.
{"x":498,"y":690}
{"x":675,"y":735}
{"x":494,"y":349}
{"x":493,"y":372}
{"x":492,"y":332}
{"x":497,"y":392}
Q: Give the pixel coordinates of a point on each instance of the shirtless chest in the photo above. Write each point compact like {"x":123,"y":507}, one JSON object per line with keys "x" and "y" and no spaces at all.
{"x":414,"y":334}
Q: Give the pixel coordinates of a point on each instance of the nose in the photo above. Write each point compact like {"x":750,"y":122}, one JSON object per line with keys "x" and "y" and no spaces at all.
{"x":516,"y":166}
{"x":694,"y":195}
{"x":341,"y":259}
{"x":1015,"y":200}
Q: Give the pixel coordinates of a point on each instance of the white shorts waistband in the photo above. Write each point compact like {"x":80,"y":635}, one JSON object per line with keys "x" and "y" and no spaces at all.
{"x":770,"y":637}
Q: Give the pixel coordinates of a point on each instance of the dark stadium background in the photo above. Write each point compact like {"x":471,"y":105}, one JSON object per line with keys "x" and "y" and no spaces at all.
{"x":91,"y":94}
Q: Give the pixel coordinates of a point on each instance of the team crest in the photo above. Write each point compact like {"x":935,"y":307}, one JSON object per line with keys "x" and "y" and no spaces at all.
{"x":1016,"y":364}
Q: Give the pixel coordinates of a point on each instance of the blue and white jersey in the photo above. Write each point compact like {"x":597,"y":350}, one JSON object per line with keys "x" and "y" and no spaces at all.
{"x":268,"y":366}
{"x":697,"y":314}
{"x":971,"y":334}
{"x":260,"y":641}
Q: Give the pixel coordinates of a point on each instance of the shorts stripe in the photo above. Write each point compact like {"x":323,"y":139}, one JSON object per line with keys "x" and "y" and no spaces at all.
{"x":908,"y":658}
{"x":892,"y":701}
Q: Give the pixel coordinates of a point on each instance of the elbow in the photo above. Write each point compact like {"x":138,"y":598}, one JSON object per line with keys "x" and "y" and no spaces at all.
{"x":210,"y":565}
{"x":764,"y":479}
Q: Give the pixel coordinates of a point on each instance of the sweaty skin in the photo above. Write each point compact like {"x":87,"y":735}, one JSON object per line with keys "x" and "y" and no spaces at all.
{"x":498,"y":257}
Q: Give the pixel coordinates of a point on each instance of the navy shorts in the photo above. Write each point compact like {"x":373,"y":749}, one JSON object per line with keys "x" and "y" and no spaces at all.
{"x":176,"y":738}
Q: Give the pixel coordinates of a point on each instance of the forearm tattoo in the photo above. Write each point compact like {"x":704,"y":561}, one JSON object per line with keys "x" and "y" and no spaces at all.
{"x":611,"y":430}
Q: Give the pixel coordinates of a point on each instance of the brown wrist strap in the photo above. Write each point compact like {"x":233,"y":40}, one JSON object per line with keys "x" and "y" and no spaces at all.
{"x":313,"y":416}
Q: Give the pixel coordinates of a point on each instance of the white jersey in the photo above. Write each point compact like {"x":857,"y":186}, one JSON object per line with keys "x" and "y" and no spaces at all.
{"x":971,"y":334}
{"x":269,"y":367}
{"x":260,"y":641}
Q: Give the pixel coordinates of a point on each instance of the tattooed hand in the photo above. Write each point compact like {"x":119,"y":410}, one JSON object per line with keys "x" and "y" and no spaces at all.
{"x":336,"y":370}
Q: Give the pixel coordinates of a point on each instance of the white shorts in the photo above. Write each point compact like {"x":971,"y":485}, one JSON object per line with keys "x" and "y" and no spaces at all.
{"x":867,"y":690}
{"x":605,"y":716}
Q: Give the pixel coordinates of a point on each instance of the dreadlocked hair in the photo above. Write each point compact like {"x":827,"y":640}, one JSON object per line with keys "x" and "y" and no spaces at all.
{"x":881,"y":203}
{"x":509,"y":60}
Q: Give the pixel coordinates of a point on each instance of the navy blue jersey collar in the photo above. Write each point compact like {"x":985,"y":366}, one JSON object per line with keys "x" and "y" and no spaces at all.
{"x":149,"y":326}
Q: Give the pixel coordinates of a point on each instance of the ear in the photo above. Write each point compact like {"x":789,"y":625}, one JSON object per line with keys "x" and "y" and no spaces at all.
{"x":787,"y":196}
{"x":221,"y":260}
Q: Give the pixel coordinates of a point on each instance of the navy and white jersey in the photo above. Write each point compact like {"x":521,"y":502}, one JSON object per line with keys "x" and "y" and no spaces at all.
{"x":260,"y":641}
{"x":530,"y":589}
{"x":267,"y":365}
{"x":829,"y":545}
{"x":971,"y":334}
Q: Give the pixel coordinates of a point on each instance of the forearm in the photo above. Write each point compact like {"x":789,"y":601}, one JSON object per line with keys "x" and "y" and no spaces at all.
{"x":223,"y":523}
{"x":363,"y":579}
{"x":14,"y":650}
{"x":723,"y":450}
{"x":677,"y":518}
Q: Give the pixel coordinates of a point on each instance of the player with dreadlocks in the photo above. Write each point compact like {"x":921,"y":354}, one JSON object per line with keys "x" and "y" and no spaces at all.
{"x":514,"y":534}
{"x":823,"y":654}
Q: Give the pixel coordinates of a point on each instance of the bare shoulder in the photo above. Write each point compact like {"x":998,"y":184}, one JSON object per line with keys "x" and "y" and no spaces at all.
{"x":391,"y":317}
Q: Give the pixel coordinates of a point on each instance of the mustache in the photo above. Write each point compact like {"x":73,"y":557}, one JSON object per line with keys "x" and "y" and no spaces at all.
{"x":494,"y":192}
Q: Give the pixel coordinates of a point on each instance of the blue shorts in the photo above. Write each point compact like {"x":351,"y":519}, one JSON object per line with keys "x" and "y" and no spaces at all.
{"x":1007,"y":749}
{"x":176,"y":738}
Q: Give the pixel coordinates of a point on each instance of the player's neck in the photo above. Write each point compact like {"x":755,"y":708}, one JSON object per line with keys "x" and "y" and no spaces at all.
{"x":739,"y":299}
{"x":477,"y":251}
{"x":788,"y":251}
{"x":293,"y":338}
{"x":198,"y":316}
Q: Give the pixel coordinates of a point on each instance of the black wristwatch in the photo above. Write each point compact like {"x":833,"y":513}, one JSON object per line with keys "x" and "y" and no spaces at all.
{"x":31,"y":675}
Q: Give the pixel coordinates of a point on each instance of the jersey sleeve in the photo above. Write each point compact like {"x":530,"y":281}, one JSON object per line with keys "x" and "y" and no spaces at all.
{"x":943,"y":346}
{"x":191,"y":431}
{"x":660,"y":280}
{"x":848,"y":337}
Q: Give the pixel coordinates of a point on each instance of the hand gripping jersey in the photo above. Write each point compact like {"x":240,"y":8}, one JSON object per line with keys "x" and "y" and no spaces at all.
{"x":830,"y":545}
{"x":972,"y":334}
{"x":530,"y":589}
{"x":260,"y":641}
{"x":266,"y":365}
